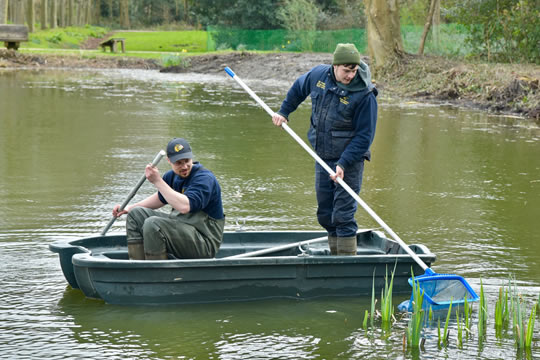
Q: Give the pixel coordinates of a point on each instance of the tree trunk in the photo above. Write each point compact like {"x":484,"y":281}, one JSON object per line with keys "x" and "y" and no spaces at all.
{"x":436,"y":24}
{"x":385,"y":45}
{"x":54,"y":14}
{"x":44,"y":9}
{"x":97,"y":12}
{"x":71,"y":13}
{"x":30,"y":15}
{"x":19,"y":14}
{"x":124,"y":14}
{"x":88,"y":12}
{"x":62,"y":16}
{"x":3,"y":11}
{"x":427,"y":25}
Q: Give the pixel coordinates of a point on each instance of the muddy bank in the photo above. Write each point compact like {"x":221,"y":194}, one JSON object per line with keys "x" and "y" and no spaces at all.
{"x":498,"y":88}
{"x":10,"y":58}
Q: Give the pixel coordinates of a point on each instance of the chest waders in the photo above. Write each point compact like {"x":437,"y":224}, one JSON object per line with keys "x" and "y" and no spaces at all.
{"x":151,"y":234}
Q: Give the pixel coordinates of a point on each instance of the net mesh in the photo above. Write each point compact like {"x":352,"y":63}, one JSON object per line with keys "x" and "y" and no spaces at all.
{"x":442,"y":290}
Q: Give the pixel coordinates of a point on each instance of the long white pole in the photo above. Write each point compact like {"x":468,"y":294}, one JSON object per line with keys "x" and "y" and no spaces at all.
{"x":330,"y":171}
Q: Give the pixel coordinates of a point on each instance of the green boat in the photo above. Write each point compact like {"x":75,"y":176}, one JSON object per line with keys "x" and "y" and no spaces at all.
{"x":250,"y":265}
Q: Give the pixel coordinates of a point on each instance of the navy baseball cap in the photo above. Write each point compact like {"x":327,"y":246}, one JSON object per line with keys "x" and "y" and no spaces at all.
{"x":178,"y":149}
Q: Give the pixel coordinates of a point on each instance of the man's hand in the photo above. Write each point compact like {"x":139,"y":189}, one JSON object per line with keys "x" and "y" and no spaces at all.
{"x":116,"y":210}
{"x":339,"y":174}
{"x":152,"y":173}
{"x":278,"y":120}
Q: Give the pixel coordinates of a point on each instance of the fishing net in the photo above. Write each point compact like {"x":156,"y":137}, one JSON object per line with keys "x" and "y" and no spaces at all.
{"x":441,"y":290}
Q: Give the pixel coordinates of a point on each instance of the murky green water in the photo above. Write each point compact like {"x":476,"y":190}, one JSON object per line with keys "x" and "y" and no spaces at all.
{"x":72,"y":144}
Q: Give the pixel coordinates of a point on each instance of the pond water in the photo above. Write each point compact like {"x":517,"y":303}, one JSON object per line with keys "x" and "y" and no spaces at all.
{"x":74,"y":143}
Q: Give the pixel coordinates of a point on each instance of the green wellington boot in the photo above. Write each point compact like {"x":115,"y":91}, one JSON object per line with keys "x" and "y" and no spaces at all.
{"x":332,"y":244}
{"x":136,"y":251}
{"x":346,"y":245}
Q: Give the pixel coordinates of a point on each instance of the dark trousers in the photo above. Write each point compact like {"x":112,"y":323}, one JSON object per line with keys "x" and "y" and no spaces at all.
{"x":336,"y":207}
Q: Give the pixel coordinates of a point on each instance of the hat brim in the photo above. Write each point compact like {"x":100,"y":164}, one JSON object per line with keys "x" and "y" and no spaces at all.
{"x":176,"y":157}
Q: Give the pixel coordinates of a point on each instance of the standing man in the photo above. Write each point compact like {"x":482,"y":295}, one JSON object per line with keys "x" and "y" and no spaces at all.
{"x":194,"y":228}
{"x":343,"y":121}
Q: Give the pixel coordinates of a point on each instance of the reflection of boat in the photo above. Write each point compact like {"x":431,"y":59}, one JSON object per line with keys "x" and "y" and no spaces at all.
{"x":296,"y":268}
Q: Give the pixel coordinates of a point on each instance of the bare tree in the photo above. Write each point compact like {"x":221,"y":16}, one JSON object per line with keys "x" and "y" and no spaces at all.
{"x":427,"y":25}
{"x":385,"y":45}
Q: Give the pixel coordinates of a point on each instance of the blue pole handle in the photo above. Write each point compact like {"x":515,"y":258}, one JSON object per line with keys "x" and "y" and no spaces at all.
{"x":230,"y":72}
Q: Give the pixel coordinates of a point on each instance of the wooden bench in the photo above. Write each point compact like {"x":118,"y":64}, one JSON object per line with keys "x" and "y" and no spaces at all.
{"x":111,"y":43}
{"x":12,"y":35}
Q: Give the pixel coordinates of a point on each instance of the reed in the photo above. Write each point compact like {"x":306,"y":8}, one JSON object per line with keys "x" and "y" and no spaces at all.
{"x":446,"y":333}
{"x":387,"y":309}
{"x":523,"y":333}
{"x":439,"y":340}
{"x":482,"y":313}
{"x":415,"y":326}
{"x":501,"y":308}
{"x":372,"y":314}
{"x":366,"y":316}
{"x":467,"y":313}
{"x":459,"y":330}
{"x":530,"y":328}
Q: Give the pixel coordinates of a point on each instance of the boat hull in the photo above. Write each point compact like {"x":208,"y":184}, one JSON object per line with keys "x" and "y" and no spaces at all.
{"x":101,"y":269}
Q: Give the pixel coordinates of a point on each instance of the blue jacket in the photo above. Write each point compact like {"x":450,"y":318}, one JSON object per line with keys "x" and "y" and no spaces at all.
{"x":202,"y":189}
{"x":342,"y":122}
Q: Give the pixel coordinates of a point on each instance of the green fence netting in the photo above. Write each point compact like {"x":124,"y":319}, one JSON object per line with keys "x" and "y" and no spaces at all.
{"x":284,"y":40}
{"x":447,"y":39}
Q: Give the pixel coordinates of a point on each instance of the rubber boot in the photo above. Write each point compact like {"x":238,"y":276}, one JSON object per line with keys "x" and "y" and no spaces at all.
{"x":346,"y":245}
{"x":332,"y":244}
{"x":136,"y":251}
{"x":162,"y":256}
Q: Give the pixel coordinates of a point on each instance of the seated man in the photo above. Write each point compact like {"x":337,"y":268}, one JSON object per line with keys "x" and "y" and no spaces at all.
{"x":194,"y":228}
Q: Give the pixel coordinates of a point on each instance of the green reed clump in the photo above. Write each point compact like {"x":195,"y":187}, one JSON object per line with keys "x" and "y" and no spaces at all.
{"x":530,"y":327}
{"x":387,"y":309}
{"x":501,"y":308}
{"x":373,"y":301}
{"x":523,"y":332}
{"x":416,"y":321}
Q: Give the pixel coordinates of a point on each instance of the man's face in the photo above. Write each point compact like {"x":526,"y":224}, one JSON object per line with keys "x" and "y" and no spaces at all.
{"x":345,"y":74}
{"x":182,"y":167}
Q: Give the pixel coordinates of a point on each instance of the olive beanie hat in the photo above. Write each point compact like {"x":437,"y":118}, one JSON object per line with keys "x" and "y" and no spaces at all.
{"x":346,"y":54}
